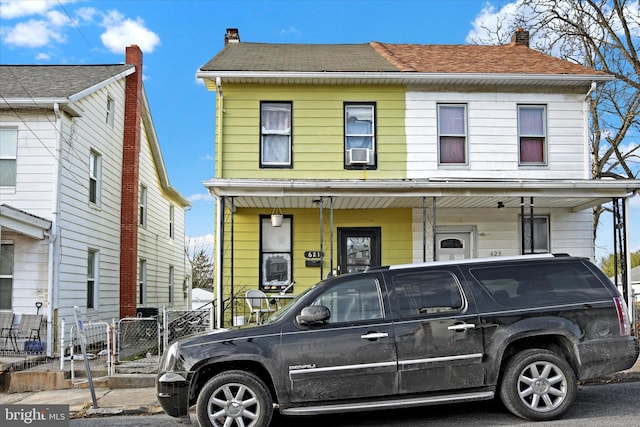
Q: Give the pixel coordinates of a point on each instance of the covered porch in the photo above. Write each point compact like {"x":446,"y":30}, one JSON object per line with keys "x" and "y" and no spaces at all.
{"x":437,"y":206}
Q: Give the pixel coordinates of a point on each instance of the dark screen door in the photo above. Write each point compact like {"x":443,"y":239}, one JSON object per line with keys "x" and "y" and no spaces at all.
{"x":359,"y":248}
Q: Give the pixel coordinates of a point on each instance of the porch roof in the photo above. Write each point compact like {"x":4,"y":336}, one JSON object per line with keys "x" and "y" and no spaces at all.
{"x":23,"y":222}
{"x":409,"y":193}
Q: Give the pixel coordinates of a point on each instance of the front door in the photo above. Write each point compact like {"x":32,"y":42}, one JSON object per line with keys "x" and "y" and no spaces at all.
{"x":359,"y":248}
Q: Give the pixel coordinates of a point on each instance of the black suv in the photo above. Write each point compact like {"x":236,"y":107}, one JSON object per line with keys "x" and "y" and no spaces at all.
{"x":522,"y":328}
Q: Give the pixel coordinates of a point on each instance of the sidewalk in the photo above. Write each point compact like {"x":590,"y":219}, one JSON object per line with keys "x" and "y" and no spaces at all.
{"x":120,"y":401}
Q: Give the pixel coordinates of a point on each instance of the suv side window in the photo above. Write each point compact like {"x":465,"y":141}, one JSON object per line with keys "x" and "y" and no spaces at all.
{"x":427,"y":292}
{"x":353,"y":300}
{"x":540,"y":284}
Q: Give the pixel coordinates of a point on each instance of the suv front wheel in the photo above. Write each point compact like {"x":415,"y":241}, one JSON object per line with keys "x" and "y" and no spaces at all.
{"x":234,"y":398}
{"x":538,"y":385}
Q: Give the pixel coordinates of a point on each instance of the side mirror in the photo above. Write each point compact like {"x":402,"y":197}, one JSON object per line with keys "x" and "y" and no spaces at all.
{"x":313,"y":314}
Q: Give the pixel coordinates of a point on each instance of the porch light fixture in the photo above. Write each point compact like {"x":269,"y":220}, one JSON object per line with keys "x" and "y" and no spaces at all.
{"x":500,"y":205}
{"x":276,"y":216}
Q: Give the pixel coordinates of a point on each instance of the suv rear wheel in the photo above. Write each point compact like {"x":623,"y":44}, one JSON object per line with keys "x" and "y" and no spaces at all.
{"x":538,"y":385}
{"x":234,"y":398}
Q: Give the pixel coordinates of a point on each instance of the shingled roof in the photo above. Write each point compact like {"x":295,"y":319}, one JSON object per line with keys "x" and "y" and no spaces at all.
{"x":515,"y":58}
{"x":54,"y":81}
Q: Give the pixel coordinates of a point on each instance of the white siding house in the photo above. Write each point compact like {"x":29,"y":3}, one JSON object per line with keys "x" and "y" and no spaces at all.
{"x":62,"y":196}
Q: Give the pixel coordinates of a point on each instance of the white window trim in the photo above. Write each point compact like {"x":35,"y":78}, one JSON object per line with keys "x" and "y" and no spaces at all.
{"x":142,"y":281}
{"x":172,"y":222}
{"x":143,"y":206}
{"x":465,"y":135}
{"x":95,"y":174}
{"x":95,"y":278}
{"x":544,"y":135}
{"x":13,"y":157}
{"x":110,"y":113}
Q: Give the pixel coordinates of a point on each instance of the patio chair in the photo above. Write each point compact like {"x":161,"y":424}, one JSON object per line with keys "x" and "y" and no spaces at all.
{"x":6,"y":326}
{"x":28,"y":330}
{"x":258,"y":303}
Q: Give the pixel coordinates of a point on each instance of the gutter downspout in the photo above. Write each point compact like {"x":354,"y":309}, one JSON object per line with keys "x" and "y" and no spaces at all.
{"x":588,"y":164}
{"x":219,"y":227}
{"x":52,"y":273}
{"x":219,"y":128}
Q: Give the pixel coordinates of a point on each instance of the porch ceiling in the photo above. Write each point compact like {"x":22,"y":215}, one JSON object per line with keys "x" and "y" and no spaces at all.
{"x":468,"y":194}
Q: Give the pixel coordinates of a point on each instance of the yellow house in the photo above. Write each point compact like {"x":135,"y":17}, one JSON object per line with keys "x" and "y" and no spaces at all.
{"x":333,"y":158}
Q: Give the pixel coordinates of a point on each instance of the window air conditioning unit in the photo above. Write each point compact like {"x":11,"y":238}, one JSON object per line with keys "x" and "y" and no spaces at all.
{"x":358,"y":156}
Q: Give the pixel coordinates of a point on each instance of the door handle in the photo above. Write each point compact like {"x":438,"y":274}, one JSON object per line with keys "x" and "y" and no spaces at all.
{"x":461,"y":327}
{"x":374,"y":335}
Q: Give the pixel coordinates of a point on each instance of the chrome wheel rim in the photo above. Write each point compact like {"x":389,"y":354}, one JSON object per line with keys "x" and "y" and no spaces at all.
{"x":233,"y":404}
{"x":542,"y":386}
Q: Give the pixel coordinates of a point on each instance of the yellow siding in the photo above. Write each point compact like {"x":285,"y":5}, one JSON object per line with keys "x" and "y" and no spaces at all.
{"x":396,"y":247}
{"x":318,"y":135}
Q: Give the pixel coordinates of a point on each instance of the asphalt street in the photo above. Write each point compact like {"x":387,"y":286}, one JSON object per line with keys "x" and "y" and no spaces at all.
{"x":605,"y":405}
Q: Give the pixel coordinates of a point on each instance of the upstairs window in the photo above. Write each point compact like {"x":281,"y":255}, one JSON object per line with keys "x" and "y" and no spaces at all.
{"x":8,"y":157}
{"x":92,"y":278}
{"x":452,"y":134}
{"x":359,"y":136}
{"x":275,"y":134}
{"x":111,"y":106}
{"x":94,"y":177}
{"x":142,"y":281}
{"x":171,"y":221}
{"x":143,"y":206}
{"x":532,"y":134}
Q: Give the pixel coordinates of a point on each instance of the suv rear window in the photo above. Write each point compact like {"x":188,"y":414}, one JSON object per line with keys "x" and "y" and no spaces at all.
{"x":426,"y":293}
{"x":531,"y":284}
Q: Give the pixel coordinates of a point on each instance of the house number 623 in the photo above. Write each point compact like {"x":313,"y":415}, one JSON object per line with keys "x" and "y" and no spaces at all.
{"x":496,"y":253}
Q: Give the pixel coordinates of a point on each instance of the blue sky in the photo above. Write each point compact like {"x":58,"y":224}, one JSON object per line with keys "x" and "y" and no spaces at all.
{"x":177,"y":37}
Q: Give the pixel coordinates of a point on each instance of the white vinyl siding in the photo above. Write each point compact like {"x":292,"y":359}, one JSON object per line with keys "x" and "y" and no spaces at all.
{"x":155,"y":245}
{"x":492,"y":130}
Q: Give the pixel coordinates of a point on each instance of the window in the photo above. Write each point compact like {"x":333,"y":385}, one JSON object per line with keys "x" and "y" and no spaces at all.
{"x":171,"y":221}
{"x":171,"y":284}
{"x":275,"y":134}
{"x":143,"y":206}
{"x":531,"y":132}
{"x":111,"y":105}
{"x":452,"y":134}
{"x":540,"y":234}
{"x":92,"y":278}
{"x":6,"y":275}
{"x":540,"y":284}
{"x":275,"y":254}
{"x":8,"y":157}
{"x":142,"y":282}
{"x":427,"y":292}
{"x":353,"y":300}
{"x":94,"y":176}
{"x":359,"y":136}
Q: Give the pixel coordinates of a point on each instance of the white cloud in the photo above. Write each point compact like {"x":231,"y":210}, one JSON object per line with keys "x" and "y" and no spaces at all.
{"x":43,"y":56}
{"x":208,"y":157}
{"x":122,"y":32}
{"x":18,"y":8}
{"x":33,"y":33}
{"x":200,"y":197}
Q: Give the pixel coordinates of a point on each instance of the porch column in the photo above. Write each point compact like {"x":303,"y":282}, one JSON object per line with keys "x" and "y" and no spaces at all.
{"x":219,"y":263}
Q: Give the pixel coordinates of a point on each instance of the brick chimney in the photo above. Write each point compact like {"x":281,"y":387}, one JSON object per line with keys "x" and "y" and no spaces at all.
{"x":520,"y":37}
{"x":232,"y":36}
{"x":130,"y":185}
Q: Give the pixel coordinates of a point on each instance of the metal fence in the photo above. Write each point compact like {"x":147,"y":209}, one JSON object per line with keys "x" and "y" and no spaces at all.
{"x":99,"y":346}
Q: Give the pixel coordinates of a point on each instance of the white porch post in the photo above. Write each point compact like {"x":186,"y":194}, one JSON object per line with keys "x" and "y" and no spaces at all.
{"x":627,"y":262}
{"x":218,"y":254}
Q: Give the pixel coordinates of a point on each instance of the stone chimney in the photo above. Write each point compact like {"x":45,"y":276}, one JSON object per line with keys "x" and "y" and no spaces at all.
{"x":232,"y":36}
{"x":130,"y":184}
{"x":520,"y":37}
